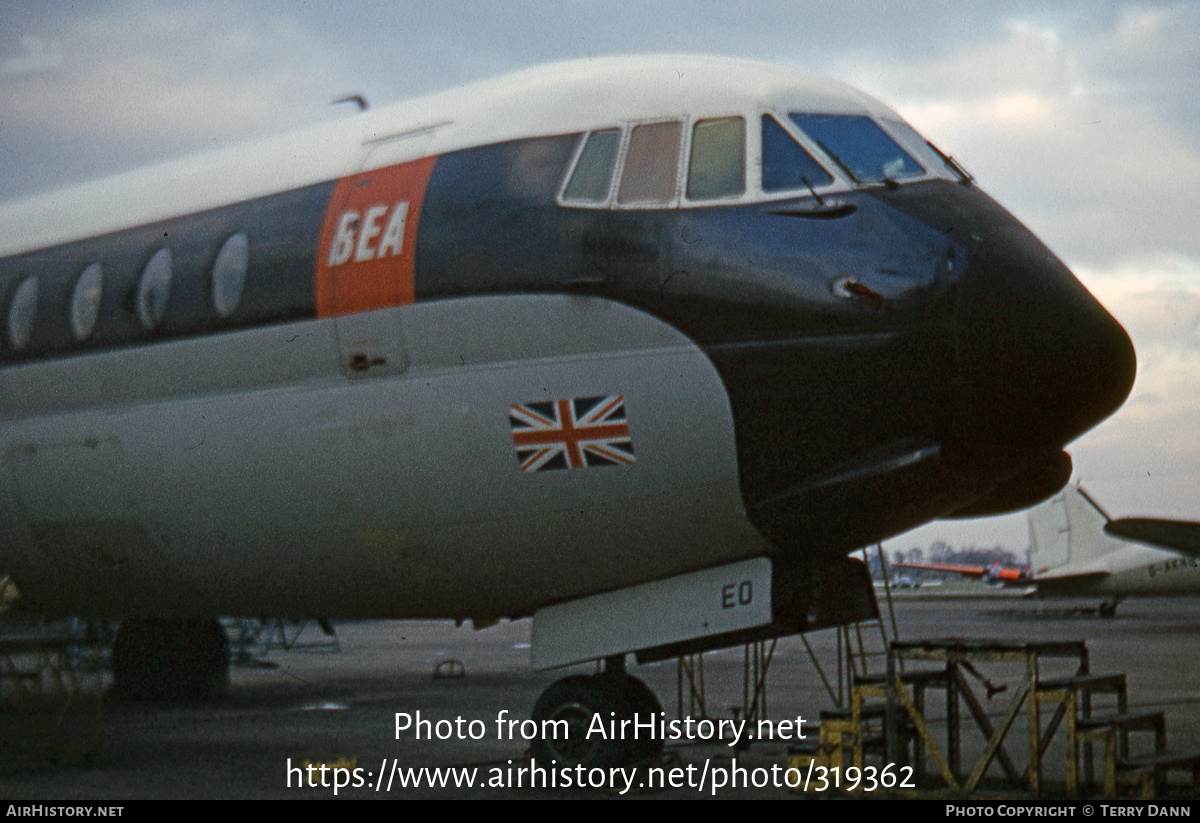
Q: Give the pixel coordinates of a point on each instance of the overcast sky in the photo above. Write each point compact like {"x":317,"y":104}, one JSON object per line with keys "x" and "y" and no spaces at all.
{"x":1083,"y":118}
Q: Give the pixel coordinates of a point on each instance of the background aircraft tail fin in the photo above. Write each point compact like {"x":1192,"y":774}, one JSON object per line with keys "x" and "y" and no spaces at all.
{"x":1067,"y":530}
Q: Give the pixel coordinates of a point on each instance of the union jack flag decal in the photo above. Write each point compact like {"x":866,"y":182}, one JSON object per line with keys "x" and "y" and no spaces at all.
{"x":571,"y":434}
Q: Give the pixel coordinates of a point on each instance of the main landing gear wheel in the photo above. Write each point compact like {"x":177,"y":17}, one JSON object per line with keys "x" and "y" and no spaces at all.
{"x":566,"y":711}
{"x":170,"y":659}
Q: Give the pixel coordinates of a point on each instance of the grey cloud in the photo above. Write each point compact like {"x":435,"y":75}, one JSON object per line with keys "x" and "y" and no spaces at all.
{"x":148,"y":81}
{"x":36,"y":55}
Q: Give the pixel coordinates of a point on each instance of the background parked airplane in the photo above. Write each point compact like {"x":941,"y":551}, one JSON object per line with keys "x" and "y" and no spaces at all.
{"x":994,"y":573}
{"x":1077,"y":550}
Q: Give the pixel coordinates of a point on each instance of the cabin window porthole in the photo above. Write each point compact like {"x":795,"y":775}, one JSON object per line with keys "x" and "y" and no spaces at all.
{"x":85,"y":301}
{"x":21,"y":312}
{"x":229,"y":274}
{"x":154,"y":288}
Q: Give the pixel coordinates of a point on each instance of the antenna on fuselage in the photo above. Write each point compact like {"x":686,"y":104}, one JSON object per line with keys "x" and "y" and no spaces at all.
{"x":357,"y":99}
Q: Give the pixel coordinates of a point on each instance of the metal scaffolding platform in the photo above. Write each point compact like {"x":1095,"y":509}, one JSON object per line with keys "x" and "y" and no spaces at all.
{"x":1053,"y":713}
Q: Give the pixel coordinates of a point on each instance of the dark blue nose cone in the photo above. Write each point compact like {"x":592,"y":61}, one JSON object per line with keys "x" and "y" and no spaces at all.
{"x":1040,"y":359}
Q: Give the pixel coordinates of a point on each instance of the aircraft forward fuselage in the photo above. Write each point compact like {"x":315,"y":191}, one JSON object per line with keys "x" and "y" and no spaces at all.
{"x":553,"y":335}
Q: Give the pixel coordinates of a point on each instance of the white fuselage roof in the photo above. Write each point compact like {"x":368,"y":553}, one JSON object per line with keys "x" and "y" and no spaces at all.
{"x":559,"y":98}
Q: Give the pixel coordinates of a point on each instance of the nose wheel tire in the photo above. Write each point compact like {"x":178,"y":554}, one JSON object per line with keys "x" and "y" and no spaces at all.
{"x":168,"y":659}
{"x":580,"y":718}
{"x":644,"y":705}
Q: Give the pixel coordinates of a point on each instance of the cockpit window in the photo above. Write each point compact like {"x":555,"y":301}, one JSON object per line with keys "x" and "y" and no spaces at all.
{"x":717,"y":166}
{"x":859,"y":146}
{"x":933,"y":155}
{"x":785,"y":165}
{"x":593,"y":173}
{"x":651,"y":164}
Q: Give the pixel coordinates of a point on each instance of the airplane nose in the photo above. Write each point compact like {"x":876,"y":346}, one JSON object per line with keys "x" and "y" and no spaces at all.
{"x":1040,"y":358}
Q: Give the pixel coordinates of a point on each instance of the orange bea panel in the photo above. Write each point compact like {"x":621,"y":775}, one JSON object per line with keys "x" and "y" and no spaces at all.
{"x":367,"y":253}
